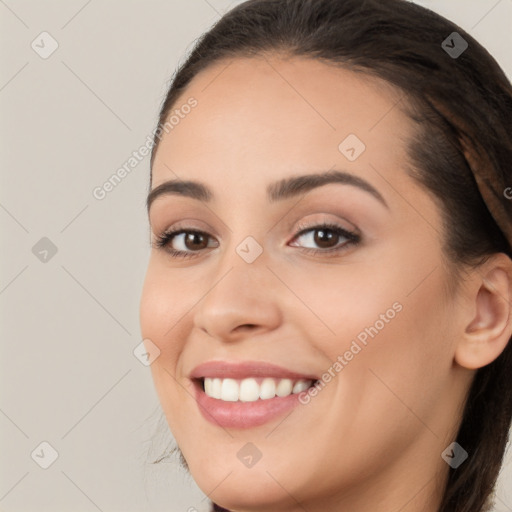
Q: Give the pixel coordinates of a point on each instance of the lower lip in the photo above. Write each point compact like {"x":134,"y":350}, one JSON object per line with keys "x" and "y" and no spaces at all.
{"x":243,"y":414}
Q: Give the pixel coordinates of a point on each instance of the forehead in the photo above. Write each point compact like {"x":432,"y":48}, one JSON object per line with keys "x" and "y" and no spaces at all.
{"x":260,"y":118}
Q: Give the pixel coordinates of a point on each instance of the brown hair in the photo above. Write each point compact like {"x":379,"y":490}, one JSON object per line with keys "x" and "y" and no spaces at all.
{"x":450,"y":100}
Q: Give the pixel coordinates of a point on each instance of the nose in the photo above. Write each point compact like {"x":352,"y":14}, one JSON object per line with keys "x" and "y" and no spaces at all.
{"x":240,"y":302}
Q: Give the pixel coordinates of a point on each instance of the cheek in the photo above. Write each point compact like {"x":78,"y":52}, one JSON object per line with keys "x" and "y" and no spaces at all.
{"x":393,"y":379}
{"x":402,"y":371}
{"x":389,"y":323}
{"x":162,"y":306}
{"x":341,"y":303}
{"x":160,"y":310}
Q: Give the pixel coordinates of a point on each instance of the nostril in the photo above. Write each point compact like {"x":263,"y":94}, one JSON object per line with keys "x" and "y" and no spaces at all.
{"x":247,"y":326}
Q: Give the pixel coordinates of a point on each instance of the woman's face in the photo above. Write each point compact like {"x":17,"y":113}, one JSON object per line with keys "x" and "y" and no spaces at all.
{"x":267,"y":300}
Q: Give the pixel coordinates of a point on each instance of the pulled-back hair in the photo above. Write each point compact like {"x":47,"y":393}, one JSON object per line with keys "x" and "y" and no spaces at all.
{"x":459,"y":106}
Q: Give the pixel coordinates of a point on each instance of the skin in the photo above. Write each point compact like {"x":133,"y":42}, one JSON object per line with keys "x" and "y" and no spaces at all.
{"x":372,"y":438}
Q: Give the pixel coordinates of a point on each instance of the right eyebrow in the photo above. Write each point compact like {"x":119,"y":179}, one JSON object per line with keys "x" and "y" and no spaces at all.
{"x":290,"y":187}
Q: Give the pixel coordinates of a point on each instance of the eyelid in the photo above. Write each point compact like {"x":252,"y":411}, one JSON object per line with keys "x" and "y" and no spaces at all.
{"x":185,"y":225}
{"x":352,"y":237}
{"x":334,"y":224}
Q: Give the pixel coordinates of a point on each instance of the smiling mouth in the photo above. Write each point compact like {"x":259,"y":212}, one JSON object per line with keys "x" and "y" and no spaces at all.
{"x":252,"y":389}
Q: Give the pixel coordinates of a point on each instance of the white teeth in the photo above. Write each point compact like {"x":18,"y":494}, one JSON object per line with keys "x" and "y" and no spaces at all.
{"x":208,"y":386}
{"x":248,"y":390}
{"x":229,"y":390}
{"x":268,"y":389}
{"x":301,"y":385}
{"x":216,"y":387}
{"x":284,"y":388}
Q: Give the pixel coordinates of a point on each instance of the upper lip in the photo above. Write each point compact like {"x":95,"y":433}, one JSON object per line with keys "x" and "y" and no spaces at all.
{"x":245,"y":369}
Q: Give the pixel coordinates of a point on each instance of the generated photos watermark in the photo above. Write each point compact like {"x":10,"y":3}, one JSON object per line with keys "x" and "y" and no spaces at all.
{"x":101,"y":191}
{"x":355,"y":348}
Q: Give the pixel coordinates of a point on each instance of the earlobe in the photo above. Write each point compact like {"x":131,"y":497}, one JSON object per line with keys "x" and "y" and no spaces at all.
{"x":490,"y":327}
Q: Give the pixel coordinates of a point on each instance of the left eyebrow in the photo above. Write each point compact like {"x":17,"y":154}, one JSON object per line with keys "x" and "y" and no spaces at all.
{"x":277,"y":191}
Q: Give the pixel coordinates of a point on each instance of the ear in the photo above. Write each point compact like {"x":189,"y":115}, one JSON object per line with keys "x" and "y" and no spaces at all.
{"x":489,"y":325}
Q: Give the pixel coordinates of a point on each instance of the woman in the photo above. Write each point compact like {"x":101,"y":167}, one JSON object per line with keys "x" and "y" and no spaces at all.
{"x":330,"y":281}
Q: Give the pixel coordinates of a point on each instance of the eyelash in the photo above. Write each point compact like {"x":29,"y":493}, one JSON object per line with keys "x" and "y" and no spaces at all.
{"x":164,"y":239}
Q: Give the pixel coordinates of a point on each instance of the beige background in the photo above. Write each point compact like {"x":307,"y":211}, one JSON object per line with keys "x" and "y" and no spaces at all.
{"x":69,"y":325}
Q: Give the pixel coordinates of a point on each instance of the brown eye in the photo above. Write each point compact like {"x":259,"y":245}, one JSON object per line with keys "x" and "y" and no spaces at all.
{"x":195,"y":241}
{"x":183,"y":241}
{"x":326,"y":238}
